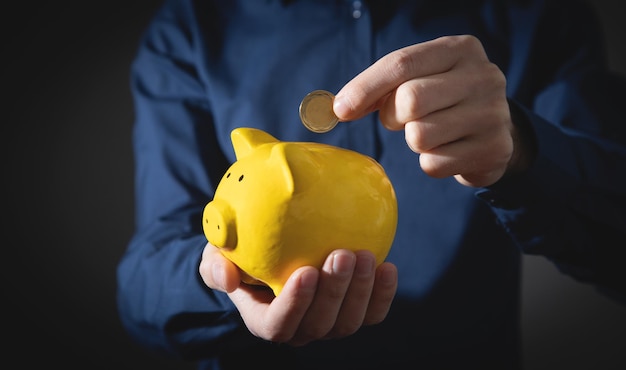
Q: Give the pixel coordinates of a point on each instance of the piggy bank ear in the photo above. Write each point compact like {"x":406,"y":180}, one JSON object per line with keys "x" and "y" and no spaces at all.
{"x":245,"y":140}
{"x":297,"y":165}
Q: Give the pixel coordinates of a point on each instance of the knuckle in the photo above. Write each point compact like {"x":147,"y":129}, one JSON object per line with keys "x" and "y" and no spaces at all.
{"x":388,"y":122}
{"x":488,"y":76}
{"x":345,"y":329}
{"x":468,"y":42}
{"x":464,"y":42}
{"x":272,"y":334}
{"x":494,"y":75}
{"x":415,"y":137}
{"x":276,"y":337}
{"x":430,"y":166}
{"x":400,"y":63}
{"x":336,"y":292}
{"x":373,"y":319}
{"x":313,"y":333}
{"x":409,"y":97}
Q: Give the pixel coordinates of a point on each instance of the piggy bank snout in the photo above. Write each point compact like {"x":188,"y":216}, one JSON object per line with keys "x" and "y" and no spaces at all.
{"x":218,"y":223}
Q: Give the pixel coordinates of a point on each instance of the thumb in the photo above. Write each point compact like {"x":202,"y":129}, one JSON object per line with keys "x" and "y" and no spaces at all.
{"x":217,"y":271}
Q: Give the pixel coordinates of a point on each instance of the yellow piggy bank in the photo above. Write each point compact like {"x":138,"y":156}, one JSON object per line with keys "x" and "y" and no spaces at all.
{"x":283,"y":205}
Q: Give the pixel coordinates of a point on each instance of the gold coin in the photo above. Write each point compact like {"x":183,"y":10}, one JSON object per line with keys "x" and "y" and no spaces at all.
{"x":316,"y":111}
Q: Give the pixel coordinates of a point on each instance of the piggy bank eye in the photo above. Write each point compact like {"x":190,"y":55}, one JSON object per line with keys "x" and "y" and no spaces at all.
{"x":228,"y":175}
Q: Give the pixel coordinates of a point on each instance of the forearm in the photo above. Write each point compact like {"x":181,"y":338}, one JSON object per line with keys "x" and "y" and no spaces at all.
{"x":569,"y":203}
{"x":161,"y":299}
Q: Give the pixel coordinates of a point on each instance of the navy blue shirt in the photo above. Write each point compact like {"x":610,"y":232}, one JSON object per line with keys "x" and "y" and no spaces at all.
{"x":204,"y":68}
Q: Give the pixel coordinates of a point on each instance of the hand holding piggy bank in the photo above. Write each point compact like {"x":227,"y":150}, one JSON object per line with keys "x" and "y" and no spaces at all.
{"x":283,"y":205}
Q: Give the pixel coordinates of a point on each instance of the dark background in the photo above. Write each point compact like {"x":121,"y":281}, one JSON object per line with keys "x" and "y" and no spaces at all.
{"x":68,"y":211}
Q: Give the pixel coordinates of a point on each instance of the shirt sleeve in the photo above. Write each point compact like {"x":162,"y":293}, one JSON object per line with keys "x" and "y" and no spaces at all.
{"x":162,"y":300}
{"x":571,"y":205}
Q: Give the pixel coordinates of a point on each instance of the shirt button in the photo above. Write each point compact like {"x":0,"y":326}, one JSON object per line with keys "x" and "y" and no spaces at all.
{"x":356,"y":9}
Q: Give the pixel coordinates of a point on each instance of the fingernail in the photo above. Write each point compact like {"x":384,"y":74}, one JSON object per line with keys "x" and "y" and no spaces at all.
{"x":341,"y":107}
{"x":308,"y":280}
{"x":343,"y":263}
{"x":387,"y":276}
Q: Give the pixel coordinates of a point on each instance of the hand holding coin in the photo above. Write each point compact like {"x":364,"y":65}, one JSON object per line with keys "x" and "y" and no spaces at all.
{"x":316,"y":111}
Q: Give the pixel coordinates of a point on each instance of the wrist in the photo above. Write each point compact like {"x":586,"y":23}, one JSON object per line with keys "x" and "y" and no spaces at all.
{"x":524,"y":146}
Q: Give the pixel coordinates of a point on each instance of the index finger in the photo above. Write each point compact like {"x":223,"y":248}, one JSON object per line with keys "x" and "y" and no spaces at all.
{"x":367,"y":91}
